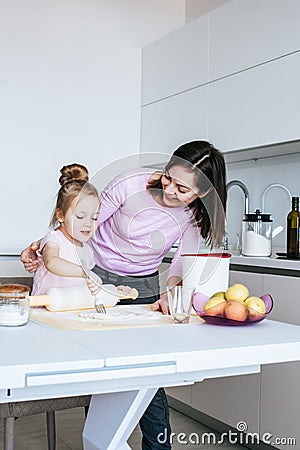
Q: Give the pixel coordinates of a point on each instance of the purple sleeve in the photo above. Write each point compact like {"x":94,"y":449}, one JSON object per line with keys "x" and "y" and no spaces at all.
{"x":119,"y":189}
{"x":111,"y":199}
{"x":189,"y":243}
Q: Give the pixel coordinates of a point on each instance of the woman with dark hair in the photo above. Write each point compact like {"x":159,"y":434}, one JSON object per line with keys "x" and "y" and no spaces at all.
{"x":208,"y":166}
{"x":142,"y":214}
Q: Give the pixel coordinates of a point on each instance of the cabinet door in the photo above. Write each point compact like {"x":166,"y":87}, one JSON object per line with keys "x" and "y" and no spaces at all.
{"x":280,"y":395}
{"x":174,"y":121}
{"x":280,"y":403}
{"x":176,"y":62}
{"x":256,"y":107}
{"x":246,"y":33}
{"x":230,"y":399}
{"x":285,"y":293}
{"x":181,"y":393}
{"x":253,"y":281}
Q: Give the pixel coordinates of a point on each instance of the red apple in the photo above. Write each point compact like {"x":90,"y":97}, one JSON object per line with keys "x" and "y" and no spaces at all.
{"x":236,"y":310}
{"x":215,"y":306}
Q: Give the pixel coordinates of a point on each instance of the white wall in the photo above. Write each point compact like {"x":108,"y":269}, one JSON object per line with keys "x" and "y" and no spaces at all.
{"x":257,"y":175}
{"x":195,"y":8}
{"x":70,"y":82}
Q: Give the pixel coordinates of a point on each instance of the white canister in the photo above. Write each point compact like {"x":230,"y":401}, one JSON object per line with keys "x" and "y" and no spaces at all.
{"x":206,"y":272}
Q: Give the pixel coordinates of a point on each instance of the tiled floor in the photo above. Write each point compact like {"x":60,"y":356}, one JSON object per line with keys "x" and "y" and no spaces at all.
{"x":30,"y":432}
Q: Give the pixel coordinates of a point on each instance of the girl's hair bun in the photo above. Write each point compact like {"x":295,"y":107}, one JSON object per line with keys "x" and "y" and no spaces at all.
{"x":73,"y":172}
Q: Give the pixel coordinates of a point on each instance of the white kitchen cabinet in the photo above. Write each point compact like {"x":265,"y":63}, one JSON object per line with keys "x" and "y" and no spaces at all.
{"x":243,"y":61}
{"x":285,"y":292}
{"x":280,"y":396}
{"x":246,"y":33}
{"x":174,"y":121}
{"x":280,"y":402}
{"x":230,"y":399}
{"x":176,"y":62}
{"x":181,"y":393}
{"x":253,"y":281}
{"x":259,"y":106}
{"x":268,"y":402}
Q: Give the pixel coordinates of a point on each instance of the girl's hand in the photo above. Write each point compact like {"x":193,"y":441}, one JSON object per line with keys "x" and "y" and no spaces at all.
{"x":94,"y":283}
{"x":29,"y":257}
{"x":161,"y":305}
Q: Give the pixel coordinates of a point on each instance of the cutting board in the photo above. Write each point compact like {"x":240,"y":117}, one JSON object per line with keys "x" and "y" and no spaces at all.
{"x":120,"y":316}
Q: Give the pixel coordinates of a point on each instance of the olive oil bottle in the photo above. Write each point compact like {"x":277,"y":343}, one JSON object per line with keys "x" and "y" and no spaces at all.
{"x":292,"y":228}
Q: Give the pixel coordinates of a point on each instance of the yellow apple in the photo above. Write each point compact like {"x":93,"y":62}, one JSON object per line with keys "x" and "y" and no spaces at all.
{"x":215,"y":306}
{"x":236,"y":310}
{"x":237,"y":292}
{"x":218,"y":294}
{"x":256,"y":308}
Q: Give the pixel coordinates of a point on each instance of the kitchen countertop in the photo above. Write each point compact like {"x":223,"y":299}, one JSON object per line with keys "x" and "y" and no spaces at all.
{"x":11,"y":266}
{"x":272,"y":261}
{"x":272,"y":264}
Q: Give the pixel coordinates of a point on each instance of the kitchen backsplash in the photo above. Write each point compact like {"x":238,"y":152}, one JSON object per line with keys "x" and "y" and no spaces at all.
{"x":257,"y":175}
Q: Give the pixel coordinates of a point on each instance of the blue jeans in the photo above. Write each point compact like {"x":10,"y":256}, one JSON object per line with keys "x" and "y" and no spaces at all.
{"x":155,"y":424}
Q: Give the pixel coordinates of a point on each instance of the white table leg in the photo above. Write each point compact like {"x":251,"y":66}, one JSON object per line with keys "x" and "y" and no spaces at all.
{"x":112,"y":418}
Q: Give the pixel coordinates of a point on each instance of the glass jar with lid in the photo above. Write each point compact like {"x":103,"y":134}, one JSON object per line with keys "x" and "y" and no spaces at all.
{"x":14,"y":305}
{"x":257,"y":234}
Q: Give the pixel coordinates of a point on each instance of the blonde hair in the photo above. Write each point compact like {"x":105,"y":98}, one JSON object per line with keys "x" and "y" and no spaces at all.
{"x":74,"y":182}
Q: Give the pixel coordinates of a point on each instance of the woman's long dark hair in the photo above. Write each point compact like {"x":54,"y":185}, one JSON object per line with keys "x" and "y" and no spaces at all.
{"x":208,"y":165}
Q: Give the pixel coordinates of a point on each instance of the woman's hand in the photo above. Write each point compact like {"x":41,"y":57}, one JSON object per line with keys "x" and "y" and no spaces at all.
{"x":161,"y":305}
{"x":29,"y":257}
{"x":94,"y":283}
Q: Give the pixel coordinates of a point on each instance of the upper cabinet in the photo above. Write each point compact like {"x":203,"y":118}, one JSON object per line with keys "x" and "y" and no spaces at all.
{"x":231,"y":76}
{"x":174,"y":121}
{"x":246,"y":33}
{"x":256,"y":107}
{"x":176,"y":62}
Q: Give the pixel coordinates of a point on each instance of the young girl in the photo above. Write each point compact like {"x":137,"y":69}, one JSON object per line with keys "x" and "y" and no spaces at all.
{"x":63,"y":252}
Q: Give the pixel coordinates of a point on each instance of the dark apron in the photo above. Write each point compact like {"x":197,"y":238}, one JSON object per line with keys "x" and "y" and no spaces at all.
{"x":147,"y":285}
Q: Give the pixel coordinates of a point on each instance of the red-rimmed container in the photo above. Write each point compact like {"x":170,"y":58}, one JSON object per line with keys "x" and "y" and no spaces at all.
{"x":206,"y":272}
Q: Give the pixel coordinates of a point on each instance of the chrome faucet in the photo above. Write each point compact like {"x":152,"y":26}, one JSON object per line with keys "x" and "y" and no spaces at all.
{"x":244,"y":188}
{"x":271,"y":186}
{"x":245,"y":191}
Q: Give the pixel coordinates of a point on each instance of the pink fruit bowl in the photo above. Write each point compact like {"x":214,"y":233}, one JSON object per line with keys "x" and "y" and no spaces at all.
{"x":200,"y":300}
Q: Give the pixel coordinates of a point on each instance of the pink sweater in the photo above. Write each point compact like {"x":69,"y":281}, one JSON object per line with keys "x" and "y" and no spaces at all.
{"x":43,"y":279}
{"x":135,"y":232}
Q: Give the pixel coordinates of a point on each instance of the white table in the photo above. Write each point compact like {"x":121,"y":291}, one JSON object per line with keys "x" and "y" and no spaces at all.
{"x":123,"y":368}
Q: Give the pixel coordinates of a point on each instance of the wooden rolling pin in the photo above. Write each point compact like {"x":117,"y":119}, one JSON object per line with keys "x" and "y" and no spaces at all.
{"x":71,"y":297}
